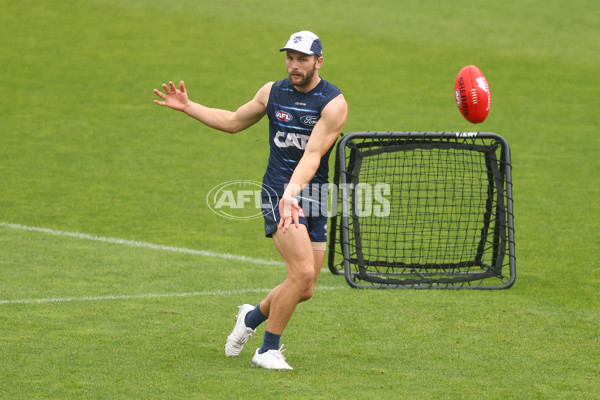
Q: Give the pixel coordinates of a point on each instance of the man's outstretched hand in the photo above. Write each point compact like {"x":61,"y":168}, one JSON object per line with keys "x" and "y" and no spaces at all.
{"x":174,"y":98}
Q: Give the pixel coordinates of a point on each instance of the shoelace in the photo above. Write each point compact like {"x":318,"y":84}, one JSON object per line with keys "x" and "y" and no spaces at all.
{"x":280,"y":352}
{"x":244,"y":339}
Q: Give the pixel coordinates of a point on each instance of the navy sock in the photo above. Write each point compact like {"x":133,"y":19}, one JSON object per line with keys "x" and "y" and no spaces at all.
{"x":270,"y":342}
{"x":254,"y":318}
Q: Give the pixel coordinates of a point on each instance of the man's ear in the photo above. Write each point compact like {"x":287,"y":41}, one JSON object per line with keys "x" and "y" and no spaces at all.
{"x":319,"y":62}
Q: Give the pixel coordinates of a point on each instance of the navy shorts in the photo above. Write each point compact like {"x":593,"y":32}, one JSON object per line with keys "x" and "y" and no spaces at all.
{"x":310,"y":214}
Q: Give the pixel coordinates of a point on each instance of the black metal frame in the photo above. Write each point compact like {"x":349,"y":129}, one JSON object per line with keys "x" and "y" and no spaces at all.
{"x":499,"y":193}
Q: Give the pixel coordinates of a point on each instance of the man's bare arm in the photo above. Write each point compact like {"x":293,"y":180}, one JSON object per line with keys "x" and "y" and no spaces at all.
{"x":223,"y":120}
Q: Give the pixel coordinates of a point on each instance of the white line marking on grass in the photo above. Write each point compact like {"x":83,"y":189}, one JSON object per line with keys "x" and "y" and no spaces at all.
{"x":149,"y":296}
{"x":134,"y":243}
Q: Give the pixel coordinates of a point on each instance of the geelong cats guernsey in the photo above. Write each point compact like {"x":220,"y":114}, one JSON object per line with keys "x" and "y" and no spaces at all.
{"x":292,"y":117}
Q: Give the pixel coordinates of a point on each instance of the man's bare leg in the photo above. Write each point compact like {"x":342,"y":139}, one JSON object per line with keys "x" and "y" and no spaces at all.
{"x":318,"y":258}
{"x":296,"y":249}
{"x":300,"y":283}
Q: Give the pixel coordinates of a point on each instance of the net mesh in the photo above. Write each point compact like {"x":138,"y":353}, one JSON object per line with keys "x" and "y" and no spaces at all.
{"x":422,"y":210}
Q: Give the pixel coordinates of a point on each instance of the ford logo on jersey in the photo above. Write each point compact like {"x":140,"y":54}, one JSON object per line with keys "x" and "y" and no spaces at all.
{"x":310,"y":120}
{"x":283,"y":116}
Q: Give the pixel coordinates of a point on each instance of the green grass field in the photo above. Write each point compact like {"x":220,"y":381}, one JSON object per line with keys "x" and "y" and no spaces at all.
{"x":85,"y":155}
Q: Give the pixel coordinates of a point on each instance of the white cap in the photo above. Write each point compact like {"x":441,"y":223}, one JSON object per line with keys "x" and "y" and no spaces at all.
{"x":304,"y":42}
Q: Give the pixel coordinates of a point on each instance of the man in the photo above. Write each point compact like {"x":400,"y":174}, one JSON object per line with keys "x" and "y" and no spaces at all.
{"x":306,"y":115}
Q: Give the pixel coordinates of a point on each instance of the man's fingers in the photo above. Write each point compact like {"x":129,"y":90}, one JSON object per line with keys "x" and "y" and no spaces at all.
{"x":159,"y":94}
{"x":170,"y":88}
{"x":283,"y":225}
{"x":286,"y":225}
{"x":289,"y":216}
{"x":288,"y":208}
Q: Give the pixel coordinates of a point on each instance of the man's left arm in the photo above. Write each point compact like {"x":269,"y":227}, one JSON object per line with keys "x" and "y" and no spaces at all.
{"x":322,"y":138}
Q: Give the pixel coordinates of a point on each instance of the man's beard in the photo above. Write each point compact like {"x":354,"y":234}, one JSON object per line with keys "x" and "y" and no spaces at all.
{"x":304,"y":80}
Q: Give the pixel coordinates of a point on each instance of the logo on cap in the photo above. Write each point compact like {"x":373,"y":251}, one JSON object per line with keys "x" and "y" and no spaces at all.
{"x":297,"y":39}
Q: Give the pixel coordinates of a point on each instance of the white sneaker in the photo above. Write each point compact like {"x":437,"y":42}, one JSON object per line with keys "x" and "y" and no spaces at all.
{"x":272,"y":359}
{"x":240,"y":334}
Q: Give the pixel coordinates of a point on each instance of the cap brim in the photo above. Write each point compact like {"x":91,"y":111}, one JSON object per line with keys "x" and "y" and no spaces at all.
{"x":298,"y":50}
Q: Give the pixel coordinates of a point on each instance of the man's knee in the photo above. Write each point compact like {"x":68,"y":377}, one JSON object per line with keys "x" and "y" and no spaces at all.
{"x":303,"y":276}
{"x":307,"y":283}
{"x":308,"y":293}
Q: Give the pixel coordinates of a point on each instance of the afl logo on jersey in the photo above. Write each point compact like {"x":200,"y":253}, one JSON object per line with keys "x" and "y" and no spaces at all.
{"x":283,"y":116}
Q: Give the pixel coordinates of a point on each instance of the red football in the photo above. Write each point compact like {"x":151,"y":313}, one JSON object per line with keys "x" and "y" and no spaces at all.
{"x":472,"y":93}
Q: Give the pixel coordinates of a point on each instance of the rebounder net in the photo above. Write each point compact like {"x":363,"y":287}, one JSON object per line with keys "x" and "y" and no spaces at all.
{"x":422,"y":210}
